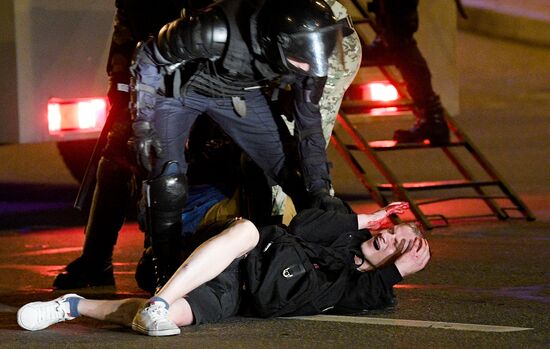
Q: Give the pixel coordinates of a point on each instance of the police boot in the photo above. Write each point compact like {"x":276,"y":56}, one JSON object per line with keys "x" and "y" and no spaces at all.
{"x":112,"y":197}
{"x":430,"y":125}
{"x":145,"y":272}
{"x":164,"y":201}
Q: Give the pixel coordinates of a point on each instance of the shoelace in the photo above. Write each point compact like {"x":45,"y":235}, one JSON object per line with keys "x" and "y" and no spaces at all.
{"x":157,"y":312}
{"x":58,"y":313}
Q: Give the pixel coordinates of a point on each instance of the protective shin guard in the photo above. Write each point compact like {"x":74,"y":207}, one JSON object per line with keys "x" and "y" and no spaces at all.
{"x":164,"y":200}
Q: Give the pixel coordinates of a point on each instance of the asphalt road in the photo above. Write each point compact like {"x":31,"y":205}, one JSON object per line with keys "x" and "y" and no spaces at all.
{"x":483,"y":272}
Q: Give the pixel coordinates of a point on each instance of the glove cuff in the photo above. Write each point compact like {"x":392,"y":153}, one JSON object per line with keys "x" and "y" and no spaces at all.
{"x":142,"y":127}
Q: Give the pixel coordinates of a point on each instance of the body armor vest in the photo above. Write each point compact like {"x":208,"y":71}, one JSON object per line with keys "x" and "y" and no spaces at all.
{"x":235,"y":73}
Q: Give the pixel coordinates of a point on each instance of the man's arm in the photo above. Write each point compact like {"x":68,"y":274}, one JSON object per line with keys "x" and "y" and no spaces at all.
{"x":322,"y":227}
{"x":379,"y":219}
{"x":368,"y":290}
{"x":373,"y":289}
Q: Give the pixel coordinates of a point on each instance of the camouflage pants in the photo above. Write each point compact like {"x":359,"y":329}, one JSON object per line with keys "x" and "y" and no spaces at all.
{"x":340,"y":75}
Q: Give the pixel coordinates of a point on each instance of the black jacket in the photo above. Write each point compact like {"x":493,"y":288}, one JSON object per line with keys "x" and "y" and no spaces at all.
{"x":331,"y":240}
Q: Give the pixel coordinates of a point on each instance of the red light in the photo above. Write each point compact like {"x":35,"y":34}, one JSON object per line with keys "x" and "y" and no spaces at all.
{"x":54,"y":117}
{"x":383,"y":111}
{"x":380,"y":92}
{"x":383,"y":143}
{"x":76,"y":115}
{"x":89,"y":112}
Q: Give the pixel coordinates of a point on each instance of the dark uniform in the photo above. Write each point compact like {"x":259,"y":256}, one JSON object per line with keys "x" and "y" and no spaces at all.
{"x":237,"y":47}
{"x":134,"y":21}
{"x":395,"y":44}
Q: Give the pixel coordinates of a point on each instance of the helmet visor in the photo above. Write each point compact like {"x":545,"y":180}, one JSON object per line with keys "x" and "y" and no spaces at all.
{"x":308,"y":53}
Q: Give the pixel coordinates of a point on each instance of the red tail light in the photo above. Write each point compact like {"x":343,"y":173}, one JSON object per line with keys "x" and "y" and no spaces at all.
{"x":76,"y":115}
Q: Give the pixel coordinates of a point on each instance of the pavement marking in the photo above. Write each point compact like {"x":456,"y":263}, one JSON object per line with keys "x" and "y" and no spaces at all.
{"x":411,"y":323}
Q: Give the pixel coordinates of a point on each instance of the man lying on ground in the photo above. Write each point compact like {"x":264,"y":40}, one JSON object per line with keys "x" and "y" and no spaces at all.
{"x":340,"y":266}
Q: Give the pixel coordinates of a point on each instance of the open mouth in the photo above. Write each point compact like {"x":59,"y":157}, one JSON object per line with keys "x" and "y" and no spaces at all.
{"x":376,"y":243}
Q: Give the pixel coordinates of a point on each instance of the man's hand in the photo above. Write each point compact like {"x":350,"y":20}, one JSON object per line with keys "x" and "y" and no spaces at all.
{"x":415,"y":259}
{"x":379,"y":219}
{"x":398,"y":207}
{"x":145,"y":143}
{"x":323,"y":200}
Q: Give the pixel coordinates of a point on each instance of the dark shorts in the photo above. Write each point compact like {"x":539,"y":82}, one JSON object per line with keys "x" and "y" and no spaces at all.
{"x":219,"y":298}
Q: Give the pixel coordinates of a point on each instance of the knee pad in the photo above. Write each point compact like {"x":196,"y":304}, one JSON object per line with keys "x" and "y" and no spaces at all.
{"x":164,"y":197}
{"x":168,"y":191}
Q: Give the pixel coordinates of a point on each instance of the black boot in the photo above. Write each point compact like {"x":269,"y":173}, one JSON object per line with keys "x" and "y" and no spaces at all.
{"x":145,"y":272}
{"x":82,"y":273}
{"x":112,"y":197}
{"x":430,"y":125}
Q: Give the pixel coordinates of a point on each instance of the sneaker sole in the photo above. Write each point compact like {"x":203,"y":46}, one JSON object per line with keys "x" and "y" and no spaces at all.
{"x":155,"y":333}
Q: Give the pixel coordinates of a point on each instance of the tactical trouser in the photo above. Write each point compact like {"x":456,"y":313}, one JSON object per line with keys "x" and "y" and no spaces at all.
{"x":113,"y":195}
{"x":398,"y":22}
{"x":257,"y":133}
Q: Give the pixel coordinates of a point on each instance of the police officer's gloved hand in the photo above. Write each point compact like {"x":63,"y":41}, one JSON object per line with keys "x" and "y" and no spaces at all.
{"x":322,"y":199}
{"x":144,"y":142}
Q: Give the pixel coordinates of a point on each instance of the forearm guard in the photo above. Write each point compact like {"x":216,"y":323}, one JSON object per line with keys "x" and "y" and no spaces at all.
{"x":311,"y":142}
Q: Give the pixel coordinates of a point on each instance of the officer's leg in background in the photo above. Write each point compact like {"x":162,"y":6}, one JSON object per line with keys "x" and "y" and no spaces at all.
{"x":399,"y":20}
{"x":430,"y":123}
{"x":112,"y":199}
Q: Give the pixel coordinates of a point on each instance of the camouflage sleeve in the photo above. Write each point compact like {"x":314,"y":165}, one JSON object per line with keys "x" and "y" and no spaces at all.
{"x":340,"y":75}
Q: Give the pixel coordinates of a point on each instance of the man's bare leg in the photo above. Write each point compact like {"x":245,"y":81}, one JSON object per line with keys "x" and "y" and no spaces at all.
{"x":210,"y":259}
{"x":205,"y":263}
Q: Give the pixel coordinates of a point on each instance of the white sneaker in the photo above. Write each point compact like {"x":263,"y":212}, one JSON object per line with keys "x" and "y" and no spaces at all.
{"x":39,"y":315}
{"x":152,"y":320}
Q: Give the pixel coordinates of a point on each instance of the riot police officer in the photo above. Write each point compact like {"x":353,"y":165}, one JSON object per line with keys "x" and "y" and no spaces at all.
{"x":238,"y":47}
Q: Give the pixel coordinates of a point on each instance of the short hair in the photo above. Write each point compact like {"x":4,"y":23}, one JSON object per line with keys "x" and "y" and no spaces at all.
{"x":416,"y":227}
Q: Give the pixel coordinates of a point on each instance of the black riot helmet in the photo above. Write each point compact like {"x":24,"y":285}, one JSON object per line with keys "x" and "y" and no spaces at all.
{"x":298,"y":36}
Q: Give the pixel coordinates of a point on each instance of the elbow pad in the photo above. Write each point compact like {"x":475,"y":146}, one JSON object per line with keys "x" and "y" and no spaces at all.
{"x":201,"y":35}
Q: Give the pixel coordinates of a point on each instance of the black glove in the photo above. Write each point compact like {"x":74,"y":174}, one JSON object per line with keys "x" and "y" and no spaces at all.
{"x":144,"y":142}
{"x":322,"y":199}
